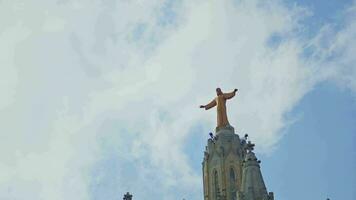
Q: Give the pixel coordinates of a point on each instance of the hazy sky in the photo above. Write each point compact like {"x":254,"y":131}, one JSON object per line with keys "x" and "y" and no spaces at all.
{"x":101,"y":97}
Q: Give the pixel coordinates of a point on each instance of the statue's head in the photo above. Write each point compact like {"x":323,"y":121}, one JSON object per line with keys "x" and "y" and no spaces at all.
{"x":218,"y":91}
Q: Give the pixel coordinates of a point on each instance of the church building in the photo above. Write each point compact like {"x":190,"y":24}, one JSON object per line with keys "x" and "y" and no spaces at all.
{"x":231,"y":170}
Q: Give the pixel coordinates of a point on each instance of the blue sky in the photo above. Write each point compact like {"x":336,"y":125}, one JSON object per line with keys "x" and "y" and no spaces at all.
{"x":316,"y":157}
{"x":99,"y":99}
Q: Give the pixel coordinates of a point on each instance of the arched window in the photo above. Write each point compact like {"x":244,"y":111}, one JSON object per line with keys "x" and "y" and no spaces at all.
{"x":216,"y":185}
{"x":232,"y":184}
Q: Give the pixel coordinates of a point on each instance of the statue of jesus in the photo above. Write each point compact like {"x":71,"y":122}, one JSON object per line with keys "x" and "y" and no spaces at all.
{"x":220,"y":101}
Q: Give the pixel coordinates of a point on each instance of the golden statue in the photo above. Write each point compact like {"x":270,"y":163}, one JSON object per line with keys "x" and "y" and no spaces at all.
{"x":220,"y":101}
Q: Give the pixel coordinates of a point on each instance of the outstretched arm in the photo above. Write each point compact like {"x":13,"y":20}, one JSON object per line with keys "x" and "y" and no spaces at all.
{"x":230,"y":94}
{"x":209,"y":105}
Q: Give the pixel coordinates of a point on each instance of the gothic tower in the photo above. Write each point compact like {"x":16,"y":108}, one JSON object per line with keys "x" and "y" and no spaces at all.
{"x":231,"y":170}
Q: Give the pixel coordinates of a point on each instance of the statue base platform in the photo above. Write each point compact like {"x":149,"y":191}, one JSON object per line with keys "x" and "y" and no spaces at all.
{"x":225,"y":129}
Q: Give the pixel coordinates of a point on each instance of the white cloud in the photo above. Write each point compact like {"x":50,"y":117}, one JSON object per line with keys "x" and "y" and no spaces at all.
{"x":341,"y":50}
{"x":77,"y":78}
{"x":8,"y":73}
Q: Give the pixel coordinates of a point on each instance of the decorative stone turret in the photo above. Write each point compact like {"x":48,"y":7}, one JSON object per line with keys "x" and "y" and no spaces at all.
{"x":231,"y":170}
{"x":253,"y":186}
{"x":127,"y":196}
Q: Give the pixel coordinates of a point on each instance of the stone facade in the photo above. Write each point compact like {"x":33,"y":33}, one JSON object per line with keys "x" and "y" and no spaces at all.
{"x":230,"y":169}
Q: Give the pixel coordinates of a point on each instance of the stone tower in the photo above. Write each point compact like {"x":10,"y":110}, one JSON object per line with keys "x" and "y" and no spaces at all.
{"x":231,"y":170}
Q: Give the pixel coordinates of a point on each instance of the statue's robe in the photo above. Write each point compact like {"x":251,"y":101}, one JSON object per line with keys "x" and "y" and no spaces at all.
{"x":220,"y":102}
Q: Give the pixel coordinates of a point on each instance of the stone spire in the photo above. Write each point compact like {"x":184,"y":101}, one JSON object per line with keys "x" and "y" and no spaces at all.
{"x":253,"y":186}
{"x":222,"y":165}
